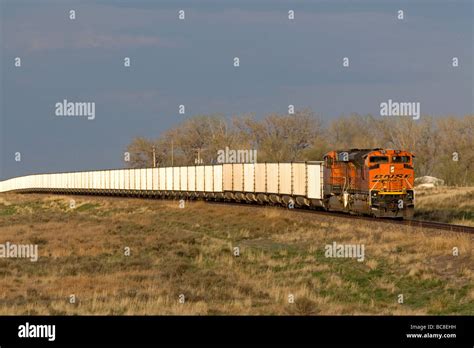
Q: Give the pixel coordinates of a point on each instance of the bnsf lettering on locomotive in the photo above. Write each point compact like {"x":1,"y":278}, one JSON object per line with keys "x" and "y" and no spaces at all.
{"x":392,"y":176}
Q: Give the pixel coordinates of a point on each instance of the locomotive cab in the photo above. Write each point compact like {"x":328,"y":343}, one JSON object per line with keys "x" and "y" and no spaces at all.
{"x":374,"y":182}
{"x":391,"y":190}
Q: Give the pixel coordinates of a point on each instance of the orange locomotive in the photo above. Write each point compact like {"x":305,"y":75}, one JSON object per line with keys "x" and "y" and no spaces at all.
{"x":370,"y":181}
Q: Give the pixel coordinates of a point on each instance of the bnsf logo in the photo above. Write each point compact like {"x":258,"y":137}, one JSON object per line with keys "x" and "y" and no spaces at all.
{"x":392,"y":176}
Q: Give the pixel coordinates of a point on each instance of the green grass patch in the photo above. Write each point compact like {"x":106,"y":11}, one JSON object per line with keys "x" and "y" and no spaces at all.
{"x":87,"y":207}
{"x":7,"y":210}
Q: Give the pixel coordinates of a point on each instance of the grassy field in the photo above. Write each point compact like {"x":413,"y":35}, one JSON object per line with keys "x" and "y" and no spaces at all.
{"x":190,"y":252}
{"x":446,"y":204}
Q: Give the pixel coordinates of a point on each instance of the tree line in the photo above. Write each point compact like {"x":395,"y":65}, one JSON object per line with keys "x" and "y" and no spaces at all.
{"x":443,"y":146}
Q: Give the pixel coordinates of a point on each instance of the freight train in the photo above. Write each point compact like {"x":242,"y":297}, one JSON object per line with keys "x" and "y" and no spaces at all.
{"x":373,"y":182}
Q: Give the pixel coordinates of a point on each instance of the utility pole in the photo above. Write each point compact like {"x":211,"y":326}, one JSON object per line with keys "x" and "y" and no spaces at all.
{"x":154,"y":156}
{"x":172,"y":152}
{"x":198,"y":160}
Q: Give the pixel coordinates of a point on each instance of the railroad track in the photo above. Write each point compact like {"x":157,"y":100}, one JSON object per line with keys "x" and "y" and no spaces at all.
{"x":413,"y":223}
{"x":438,"y":225}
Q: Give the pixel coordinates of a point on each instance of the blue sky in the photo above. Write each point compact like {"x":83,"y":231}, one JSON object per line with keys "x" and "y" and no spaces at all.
{"x":190,"y":62}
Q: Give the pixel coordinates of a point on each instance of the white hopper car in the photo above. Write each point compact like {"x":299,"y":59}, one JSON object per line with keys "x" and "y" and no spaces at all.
{"x":297,"y":182}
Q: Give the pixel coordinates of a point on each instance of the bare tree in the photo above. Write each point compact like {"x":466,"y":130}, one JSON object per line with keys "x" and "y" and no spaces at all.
{"x":141,"y":153}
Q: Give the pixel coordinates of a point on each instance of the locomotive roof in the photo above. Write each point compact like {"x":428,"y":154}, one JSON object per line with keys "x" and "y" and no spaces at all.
{"x":357,"y":156}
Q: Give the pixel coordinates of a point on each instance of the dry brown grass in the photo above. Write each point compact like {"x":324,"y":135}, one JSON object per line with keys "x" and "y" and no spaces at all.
{"x":190,"y":251}
{"x":447,"y":204}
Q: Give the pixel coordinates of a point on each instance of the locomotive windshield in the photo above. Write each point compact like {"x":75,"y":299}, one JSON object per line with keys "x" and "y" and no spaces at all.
{"x":379,"y":159}
{"x":393,"y":159}
{"x":401,"y":159}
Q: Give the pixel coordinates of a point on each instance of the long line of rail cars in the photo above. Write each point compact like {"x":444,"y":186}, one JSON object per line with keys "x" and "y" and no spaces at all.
{"x":375,"y":182}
